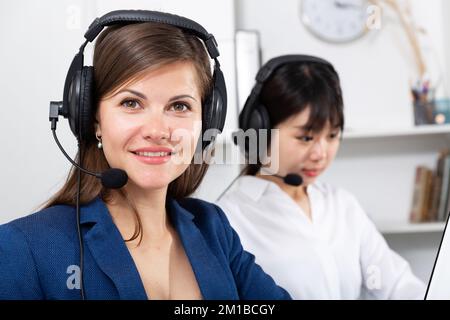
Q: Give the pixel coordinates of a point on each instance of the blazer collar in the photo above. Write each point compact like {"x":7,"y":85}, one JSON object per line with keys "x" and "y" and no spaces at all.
{"x":109,"y":251}
{"x":111,"y":254}
{"x":211,"y":277}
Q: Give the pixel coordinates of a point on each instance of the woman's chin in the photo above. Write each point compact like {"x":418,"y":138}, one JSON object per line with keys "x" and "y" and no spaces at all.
{"x":151,"y":183}
{"x":308,"y":180}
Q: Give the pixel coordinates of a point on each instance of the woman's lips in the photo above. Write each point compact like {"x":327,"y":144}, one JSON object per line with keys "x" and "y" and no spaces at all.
{"x":153,"y":155}
{"x":311,"y":173}
{"x":153,"y":159}
{"x":153,"y":149}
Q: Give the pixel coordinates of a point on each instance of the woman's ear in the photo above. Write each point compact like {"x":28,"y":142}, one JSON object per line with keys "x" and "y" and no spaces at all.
{"x":98,"y":131}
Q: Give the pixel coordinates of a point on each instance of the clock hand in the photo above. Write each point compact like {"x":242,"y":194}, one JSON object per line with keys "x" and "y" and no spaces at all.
{"x":345,"y":5}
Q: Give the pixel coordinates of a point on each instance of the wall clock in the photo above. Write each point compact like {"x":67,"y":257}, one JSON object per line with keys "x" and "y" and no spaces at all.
{"x":336,"y":21}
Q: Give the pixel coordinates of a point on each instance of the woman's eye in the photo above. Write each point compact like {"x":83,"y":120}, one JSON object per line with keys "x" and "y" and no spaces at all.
{"x":305,"y":138}
{"x":334,"y":135}
{"x":180,"y":107}
{"x":130,"y":104}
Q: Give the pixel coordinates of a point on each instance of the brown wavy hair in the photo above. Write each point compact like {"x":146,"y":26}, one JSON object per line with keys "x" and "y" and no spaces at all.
{"x":123,"y":54}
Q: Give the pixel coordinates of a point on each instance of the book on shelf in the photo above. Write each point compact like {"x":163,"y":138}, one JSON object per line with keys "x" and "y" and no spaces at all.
{"x":443,"y":170}
{"x":423,"y":183}
{"x":435,"y":196}
{"x":431,"y":191}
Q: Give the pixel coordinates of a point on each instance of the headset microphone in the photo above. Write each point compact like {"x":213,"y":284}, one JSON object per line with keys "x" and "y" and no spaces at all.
{"x":111,"y":178}
{"x":292,"y":179}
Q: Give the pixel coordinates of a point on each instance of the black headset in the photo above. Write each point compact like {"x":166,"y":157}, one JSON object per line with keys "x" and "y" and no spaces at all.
{"x":254,"y":115}
{"x":78,"y":96}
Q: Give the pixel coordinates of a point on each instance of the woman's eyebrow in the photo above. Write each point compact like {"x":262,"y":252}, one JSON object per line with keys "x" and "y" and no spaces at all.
{"x":136,"y":93}
{"x":141,"y":95}
{"x":182,"y":96}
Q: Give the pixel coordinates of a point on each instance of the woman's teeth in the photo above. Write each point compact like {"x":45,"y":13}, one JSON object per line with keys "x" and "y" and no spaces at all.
{"x":153,"y":154}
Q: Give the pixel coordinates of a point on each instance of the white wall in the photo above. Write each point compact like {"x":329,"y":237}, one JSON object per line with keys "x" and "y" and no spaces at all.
{"x":375,"y":70}
{"x":445,"y":36}
{"x":38,"y":43}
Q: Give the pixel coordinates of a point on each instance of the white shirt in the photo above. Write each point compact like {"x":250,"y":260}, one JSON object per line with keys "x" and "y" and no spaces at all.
{"x":338,"y":254}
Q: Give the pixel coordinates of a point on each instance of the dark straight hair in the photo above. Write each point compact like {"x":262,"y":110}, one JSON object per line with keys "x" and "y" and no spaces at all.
{"x":295,"y":86}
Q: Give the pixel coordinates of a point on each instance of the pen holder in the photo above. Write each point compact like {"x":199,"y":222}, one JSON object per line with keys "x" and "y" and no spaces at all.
{"x":424,"y":106}
{"x":423,"y":112}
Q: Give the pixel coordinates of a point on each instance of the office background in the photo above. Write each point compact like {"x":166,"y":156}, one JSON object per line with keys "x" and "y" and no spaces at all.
{"x":381,"y":146}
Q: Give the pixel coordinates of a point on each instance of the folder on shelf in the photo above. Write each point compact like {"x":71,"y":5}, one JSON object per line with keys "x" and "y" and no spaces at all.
{"x":444,"y":170}
{"x":248,"y":62}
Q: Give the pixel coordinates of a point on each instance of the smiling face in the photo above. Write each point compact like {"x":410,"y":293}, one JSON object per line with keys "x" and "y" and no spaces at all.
{"x":150,"y":127}
{"x":304,"y":152}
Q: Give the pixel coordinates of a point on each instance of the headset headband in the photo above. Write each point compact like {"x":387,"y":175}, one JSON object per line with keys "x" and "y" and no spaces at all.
{"x":138,"y":16}
{"x":247,"y":115}
{"x":269,"y":67}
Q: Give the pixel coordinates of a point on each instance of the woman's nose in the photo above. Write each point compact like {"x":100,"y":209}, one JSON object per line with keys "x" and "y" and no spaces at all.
{"x":318,"y":151}
{"x":155,"y":126}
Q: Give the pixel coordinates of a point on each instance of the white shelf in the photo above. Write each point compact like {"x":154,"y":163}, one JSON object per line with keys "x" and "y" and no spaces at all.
{"x":412,"y":131}
{"x":225,"y":137}
{"x":399,"y":228}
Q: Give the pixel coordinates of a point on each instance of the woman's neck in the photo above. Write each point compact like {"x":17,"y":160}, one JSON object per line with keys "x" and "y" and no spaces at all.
{"x":150,"y":206}
{"x":295,"y":192}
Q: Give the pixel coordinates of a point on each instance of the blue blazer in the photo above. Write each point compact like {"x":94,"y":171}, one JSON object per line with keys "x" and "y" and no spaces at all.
{"x":39,"y":255}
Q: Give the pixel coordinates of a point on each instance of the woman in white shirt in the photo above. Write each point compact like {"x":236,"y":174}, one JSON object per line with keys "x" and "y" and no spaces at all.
{"x":314,"y":239}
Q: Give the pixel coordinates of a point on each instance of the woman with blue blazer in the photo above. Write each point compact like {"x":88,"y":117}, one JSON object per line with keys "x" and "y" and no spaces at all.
{"x":139,"y":115}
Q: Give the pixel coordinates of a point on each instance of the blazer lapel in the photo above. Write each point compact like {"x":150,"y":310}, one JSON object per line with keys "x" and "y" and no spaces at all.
{"x":109,"y":251}
{"x":211,"y":277}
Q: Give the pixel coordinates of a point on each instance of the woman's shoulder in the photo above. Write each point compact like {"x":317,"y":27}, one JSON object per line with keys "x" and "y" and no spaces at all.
{"x":339,"y":200}
{"x":246,"y":189}
{"x":207,"y":216}
{"x":46,"y":222}
{"x":31,"y":246}
{"x":332,"y":192}
{"x":202,"y":210}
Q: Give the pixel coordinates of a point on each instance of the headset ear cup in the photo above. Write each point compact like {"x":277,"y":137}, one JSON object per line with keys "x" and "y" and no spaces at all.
{"x":207,"y":112}
{"x":258,"y":119}
{"x":86,"y":131}
{"x":214,"y":112}
{"x":72,"y":102}
{"x":219,"y":100}
{"x":215,"y":108}
{"x":265,"y":118}
{"x":208,"y":116}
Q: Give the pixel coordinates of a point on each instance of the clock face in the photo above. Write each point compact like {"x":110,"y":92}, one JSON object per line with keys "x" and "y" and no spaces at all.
{"x":335,"y":20}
